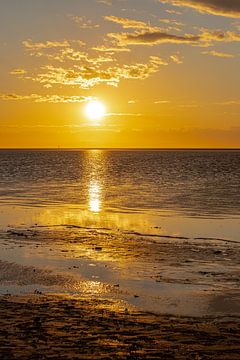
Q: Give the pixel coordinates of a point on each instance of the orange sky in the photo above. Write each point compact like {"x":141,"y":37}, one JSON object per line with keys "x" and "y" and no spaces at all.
{"x":167,"y":72}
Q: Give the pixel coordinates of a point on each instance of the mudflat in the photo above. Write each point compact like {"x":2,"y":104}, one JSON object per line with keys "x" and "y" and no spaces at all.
{"x":71,"y":292}
{"x":60,"y":327}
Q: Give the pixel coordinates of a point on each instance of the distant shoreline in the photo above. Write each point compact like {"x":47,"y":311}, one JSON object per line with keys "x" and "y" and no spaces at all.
{"x":120,"y":149}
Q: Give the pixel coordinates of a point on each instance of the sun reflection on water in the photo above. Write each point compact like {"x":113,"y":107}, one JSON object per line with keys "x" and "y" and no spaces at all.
{"x":95,"y":167}
{"x":95,"y":203}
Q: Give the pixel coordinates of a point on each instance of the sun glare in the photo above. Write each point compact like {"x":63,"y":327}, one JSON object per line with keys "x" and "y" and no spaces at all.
{"x":95,"y":110}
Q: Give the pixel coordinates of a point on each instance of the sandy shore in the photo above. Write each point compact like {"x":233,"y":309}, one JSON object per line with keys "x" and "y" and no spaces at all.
{"x":154,"y":272}
{"x":58,"y":327}
{"x":120,"y":295}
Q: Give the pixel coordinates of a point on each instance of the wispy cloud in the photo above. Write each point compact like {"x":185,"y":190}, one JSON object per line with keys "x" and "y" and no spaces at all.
{"x":162,"y":102}
{"x":83,"y":22}
{"x":124,"y":114}
{"x":30,"y":45}
{"x":175,"y":12}
{"x":173,"y":24}
{"x":18,"y":72}
{"x":218,"y":54}
{"x":127,"y":23}
{"x":105,"y":2}
{"x":110,"y":49}
{"x":230,"y":102}
{"x":45,"y":98}
{"x":176,"y":58}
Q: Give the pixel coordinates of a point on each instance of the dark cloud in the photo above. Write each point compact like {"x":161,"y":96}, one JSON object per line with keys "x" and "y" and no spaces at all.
{"x":229,"y":8}
{"x":205,"y":37}
{"x":152,"y":38}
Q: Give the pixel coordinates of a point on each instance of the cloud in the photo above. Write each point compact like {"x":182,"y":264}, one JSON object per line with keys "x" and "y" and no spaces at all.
{"x":105,"y":2}
{"x":228,"y":8}
{"x":129,"y":23}
{"x":218,"y":54}
{"x":219,"y":35}
{"x":162,"y":102}
{"x":204,"y":38}
{"x":81,"y":68}
{"x":145,"y":34}
{"x":83,"y":22}
{"x":110,"y":49}
{"x":88,"y":76}
{"x":172,"y":25}
{"x":30,"y":45}
{"x":56,"y":50}
{"x":66,"y":51}
{"x":45,"y":98}
{"x":76,"y":56}
{"x":175,"y":12}
{"x":176,"y":58}
{"x":18,"y":72}
{"x":124,"y":114}
{"x":152,"y":38}
{"x":230,"y":102}
{"x":61,"y":55}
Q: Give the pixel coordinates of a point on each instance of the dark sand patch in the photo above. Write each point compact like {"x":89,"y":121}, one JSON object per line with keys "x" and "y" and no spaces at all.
{"x":55,"y":327}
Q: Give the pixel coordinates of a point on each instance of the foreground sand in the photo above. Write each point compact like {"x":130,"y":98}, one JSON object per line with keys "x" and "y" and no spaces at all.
{"x":115,"y":279}
{"x":58,"y":327}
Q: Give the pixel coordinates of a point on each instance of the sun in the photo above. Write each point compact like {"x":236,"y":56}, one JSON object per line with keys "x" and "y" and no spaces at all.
{"x":95,"y":110}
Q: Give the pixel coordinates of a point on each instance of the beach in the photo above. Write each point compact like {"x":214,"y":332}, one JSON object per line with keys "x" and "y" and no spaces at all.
{"x":42,"y":327}
{"x":151,"y":304}
{"x":91,"y":270}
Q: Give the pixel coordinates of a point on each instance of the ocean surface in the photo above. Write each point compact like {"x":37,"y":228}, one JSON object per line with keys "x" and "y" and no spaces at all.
{"x":156,"y":229}
{"x":182,"y":189}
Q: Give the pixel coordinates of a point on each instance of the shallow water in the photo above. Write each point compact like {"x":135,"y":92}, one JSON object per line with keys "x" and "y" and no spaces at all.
{"x":193,"y":192}
{"x":159,"y":229}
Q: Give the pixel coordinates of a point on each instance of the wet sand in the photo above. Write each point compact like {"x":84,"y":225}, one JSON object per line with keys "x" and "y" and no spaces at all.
{"x":57,"y":327}
{"x":73,"y":292}
{"x":156,"y":272}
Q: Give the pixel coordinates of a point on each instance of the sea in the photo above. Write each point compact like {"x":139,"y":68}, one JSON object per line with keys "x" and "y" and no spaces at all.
{"x":191,"y":193}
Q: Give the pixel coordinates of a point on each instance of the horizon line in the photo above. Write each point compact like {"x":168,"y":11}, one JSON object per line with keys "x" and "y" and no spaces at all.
{"x":121,"y":149}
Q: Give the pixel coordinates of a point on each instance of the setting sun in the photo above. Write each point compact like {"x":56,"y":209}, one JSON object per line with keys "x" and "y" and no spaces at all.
{"x":95,"y":110}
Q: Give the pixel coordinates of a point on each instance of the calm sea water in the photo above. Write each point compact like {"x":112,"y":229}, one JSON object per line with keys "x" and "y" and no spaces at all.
{"x":182,"y":189}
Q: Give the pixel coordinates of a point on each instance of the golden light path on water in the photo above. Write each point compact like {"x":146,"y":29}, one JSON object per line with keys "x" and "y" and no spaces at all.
{"x":95,"y":163}
{"x":94,"y":198}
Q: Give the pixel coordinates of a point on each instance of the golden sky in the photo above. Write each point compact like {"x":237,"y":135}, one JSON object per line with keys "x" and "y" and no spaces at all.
{"x":167,"y":72}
